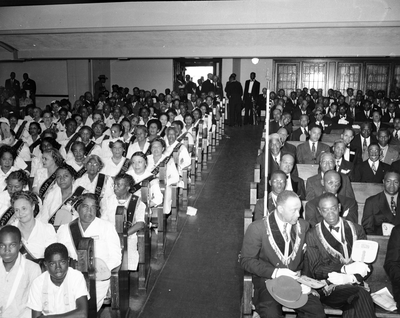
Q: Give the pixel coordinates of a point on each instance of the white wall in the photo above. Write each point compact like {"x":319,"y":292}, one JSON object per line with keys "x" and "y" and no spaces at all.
{"x":263,"y":70}
{"x":146,"y":74}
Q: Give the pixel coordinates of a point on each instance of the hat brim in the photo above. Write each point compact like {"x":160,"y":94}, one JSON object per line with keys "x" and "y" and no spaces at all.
{"x":272,"y":286}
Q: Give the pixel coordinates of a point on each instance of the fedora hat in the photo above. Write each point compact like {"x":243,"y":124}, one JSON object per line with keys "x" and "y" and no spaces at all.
{"x":103,"y":76}
{"x":286,"y":291}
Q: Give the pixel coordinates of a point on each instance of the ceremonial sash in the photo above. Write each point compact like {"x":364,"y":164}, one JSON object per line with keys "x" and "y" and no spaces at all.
{"x":89,"y":147}
{"x":125,"y":166}
{"x":71,"y":200}
{"x":34,"y":145}
{"x":71,"y":141}
{"x":28,"y":255}
{"x":18,"y":146}
{"x":138,"y":185}
{"x":20,"y":130}
{"x":127,"y":144}
{"x":100,"y":184}
{"x":46,"y":185}
{"x":7,"y":216}
{"x":148,"y":152}
{"x":130,"y":211}
{"x":81,"y":172}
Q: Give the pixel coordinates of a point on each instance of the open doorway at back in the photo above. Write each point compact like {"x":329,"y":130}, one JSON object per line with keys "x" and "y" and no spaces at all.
{"x":197,"y":72}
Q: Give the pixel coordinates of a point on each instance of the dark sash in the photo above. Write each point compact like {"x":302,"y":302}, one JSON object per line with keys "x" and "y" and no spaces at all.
{"x":106,"y":136}
{"x":127,"y":144}
{"x":89,"y":147}
{"x":28,"y":255}
{"x":18,"y":146}
{"x":138,"y":185}
{"x":71,"y":141}
{"x":130,"y":211}
{"x":81,"y":172}
{"x":100,"y":184}
{"x":148,"y":152}
{"x":46,"y":185}
{"x":75,"y":232}
{"x":34,"y":145}
{"x":72,"y":199}
{"x":6,"y":216}
{"x":125,"y":166}
{"x":20,"y":130}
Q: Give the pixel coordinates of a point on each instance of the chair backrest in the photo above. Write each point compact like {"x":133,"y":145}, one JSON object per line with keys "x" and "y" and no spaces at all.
{"x":362,"y":192}
{"x":306,"y":171}
{"x":330,"y":138}
{"x":296,"y":143}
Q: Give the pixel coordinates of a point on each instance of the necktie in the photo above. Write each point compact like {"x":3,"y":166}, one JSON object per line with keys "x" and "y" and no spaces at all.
{"x":276,"y":160}
{"x":313,"y":149}
{"x":337,"y":165}
{"x":285,"y":235}
{"x":393,"y":206}
{"x":396,"y":135}
{"x":373,"y":168}
{"x":365,"y":145}
{"x":381,"y":156}
{"x":335,"y":228}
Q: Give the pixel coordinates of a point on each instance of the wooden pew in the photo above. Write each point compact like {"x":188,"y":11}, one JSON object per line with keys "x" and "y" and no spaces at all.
{"x":174,"y":196}
{"x":362,"y":192}
{"x":330,"y":138}
{"x":306,"y":171}
{"x":296,"y":143}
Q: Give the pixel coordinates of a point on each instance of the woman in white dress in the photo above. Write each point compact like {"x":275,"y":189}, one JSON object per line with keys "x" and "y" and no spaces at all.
{"x":76,"y":162}
{"x":16,"y":181}
{"x":164,"y":119}
{"x":122,"y":197}
{"x":36,"y":236}
{"x":138,"y":172}
{"x":7,"y":158}
{"x":141,"y":143}
{"x":183,"y":159}
{"x":94,"y":181}
{"x":117,"y":163}
{"x":45,"y":177}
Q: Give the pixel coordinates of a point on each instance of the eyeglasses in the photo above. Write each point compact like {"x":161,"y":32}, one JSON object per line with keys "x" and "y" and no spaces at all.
{"x":93,"y":164}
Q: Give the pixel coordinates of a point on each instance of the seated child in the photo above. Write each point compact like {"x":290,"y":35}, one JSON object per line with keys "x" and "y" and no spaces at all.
{"x":59,"y":290}
{"x":16,"y":275}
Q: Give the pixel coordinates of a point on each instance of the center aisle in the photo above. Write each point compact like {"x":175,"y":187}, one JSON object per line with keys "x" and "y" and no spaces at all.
{"x":201,"y":277}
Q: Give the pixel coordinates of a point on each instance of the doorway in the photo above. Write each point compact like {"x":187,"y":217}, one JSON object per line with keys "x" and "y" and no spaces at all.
{"x":197,"y":68}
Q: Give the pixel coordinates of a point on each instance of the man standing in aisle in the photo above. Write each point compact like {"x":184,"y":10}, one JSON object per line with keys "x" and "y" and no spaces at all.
{"x":251,"y":92}
{"x":12,"y":84}
{"x":234,"y":92}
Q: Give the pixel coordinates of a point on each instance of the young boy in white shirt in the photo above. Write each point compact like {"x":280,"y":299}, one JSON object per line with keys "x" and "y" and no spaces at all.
{"x":16,"y":275}
{"x":59,"y":290}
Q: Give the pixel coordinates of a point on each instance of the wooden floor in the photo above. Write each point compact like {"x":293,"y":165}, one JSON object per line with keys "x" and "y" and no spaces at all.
{"x":200,"y":275}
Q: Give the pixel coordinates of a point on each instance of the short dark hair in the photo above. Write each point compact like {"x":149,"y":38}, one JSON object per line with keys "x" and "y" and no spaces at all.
{"x":19,"y":175}
{"x":6,"y":148}
{"x":11,"y":229}
{"x":55,"y":248}
{"x":127,"y":177}
{"x":154,"y":121}
{"x":325,"y":196}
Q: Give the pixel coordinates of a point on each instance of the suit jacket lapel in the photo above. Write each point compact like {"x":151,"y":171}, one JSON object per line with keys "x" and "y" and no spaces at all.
{"x":387,"y":211}
{"x":295,"y":185}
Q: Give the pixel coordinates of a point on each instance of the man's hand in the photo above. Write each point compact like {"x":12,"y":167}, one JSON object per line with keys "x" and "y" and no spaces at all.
{"x":284,"y":272}
{"x":341,"y":279}
{"x":356,"y":268}
{"x":305,"y":289}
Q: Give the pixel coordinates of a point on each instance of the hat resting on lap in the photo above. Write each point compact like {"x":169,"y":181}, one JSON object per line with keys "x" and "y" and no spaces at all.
{"x":286,"y":291}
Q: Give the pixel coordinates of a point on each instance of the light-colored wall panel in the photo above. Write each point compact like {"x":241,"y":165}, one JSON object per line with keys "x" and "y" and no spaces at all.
{"x":146,"y":74}
{"x":263,"y":70}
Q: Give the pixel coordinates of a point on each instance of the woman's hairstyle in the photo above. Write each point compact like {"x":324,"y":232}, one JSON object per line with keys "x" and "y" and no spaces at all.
{"x":112,"y":143}
{"x":8,"y":149}
{"x":98,"y":123}
{"x":142,"y":127}
{"x":98,"y":112}
{"x":76,"y":144}
{"x":169,"y":129}
{"x":173,"y":111}
{"x":34,"y":123}
{"x":178,"y":123}
{"x":121,"y":128}
{"x":160,"y":140}
{"x":53,"y":249}
{"x":140,"y":154}
{"x":95,"y":158}
{"x":164,"y":114}
{"x":67,"y":167}
{"x":91,"y":196}
{"x":86,"y":128}
{"x":126,"y":120}
{"x":49,"y":133}
{"x":31,"y":197}
{"x":20,"y":176}
{"x":199,"y":111}
{"x":189,"y":115}
{"x":154,"y":121}
{"x":127,"y":177}
{"x":58,"y":159}
{"x":50,"y":140}
{"x":144,"y":108}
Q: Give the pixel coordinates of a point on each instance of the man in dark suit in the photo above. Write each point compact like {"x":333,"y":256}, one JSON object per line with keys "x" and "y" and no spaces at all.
{"x":326,"y":259}
{"x":348,"y":206}
{"x":263,"y":252}
{"x":365,"y":113}
{"x":303,"y":132}
{"x":314,"y":188}
{"x":302,"y":110}
{"x":278,"y":184}
{"x":276,"y":122}
{"x":309,"y":151}
{"x":208,"y":86}
{"x":377,"y":122}
{"x":389,"y":153}
{"x":250,"y":94}
{"x":342,"y":120}
{"x":286,"y":148}
{"x":262,"y":101}
{"x":392,"y":263}
{"x":383,"y":207}
{"x":362,"y":140}
{"x":234,"y":92}
{"x":371,"y":170}
{"x":351,"y":153}
{"x":294,"y":183}
{"x":12,"y":84}
{"x":343,"y":166}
